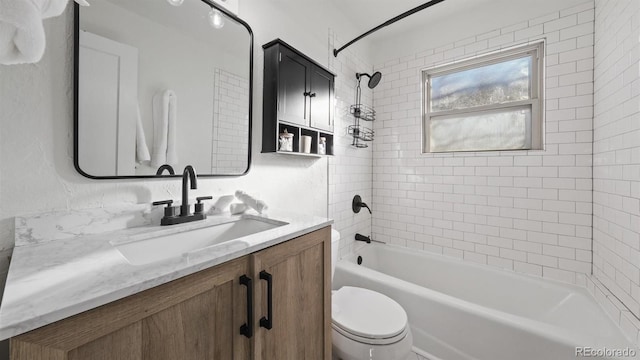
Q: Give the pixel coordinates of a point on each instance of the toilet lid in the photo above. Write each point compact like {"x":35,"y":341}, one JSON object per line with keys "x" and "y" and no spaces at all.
{"x":366,"y":313}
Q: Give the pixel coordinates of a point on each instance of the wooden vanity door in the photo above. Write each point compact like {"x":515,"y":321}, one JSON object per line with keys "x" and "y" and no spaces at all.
{"x":197,"y":317}
{"x":300,"y":272}
{"x":202,"y":327}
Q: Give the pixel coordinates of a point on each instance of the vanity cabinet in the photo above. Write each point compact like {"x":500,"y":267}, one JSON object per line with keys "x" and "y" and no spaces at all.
{"x":300,"y":273}
{"x":298,"y":96}
{"x":200,"y":316}
{"x":195,"y":317}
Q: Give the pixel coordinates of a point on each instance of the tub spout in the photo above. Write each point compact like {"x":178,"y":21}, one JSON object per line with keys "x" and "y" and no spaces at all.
{"x":360,"y":237}
{"x":367,"y":239}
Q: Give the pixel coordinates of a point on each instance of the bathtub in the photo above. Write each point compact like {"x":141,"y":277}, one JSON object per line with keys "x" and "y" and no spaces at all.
{"x":462,"y":311}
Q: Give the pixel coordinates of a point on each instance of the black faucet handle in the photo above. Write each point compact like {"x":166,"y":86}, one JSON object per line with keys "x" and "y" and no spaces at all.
{"x":203,"y":198}
{"x":366,"y":206}
{"x":199,"y":206}
{"x":169,"y":211}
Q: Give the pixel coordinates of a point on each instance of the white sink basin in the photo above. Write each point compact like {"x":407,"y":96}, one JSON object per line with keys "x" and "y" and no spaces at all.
{"x":165,"y":247}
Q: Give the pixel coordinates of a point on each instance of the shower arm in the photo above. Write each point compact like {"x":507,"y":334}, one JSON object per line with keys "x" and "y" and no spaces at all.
{"x":387,"y":23}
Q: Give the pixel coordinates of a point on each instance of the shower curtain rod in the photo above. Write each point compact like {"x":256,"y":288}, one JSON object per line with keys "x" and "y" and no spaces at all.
{"x":387,"y":23}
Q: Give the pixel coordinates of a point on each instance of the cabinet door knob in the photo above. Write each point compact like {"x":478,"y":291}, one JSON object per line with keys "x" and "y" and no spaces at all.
{"x":247,"y":328}
{"x":312,"y":95}
{"x":307,"y":93}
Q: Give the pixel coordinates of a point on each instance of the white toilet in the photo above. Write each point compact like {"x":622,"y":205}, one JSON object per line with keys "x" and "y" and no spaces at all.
{"x":366,"y":325}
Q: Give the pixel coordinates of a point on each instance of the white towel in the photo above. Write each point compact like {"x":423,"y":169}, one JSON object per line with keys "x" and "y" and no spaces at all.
{"x":237,"y":208}
{"x":142,"y":151}
{"x":258,"y":205}
{"x":172,"y":145}
{"x":221,"y":204}
{"x":22,"y":38}
{"x":165,"y":112}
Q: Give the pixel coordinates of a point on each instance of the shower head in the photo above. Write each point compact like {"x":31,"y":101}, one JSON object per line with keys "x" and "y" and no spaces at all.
{"x":374,"y":79}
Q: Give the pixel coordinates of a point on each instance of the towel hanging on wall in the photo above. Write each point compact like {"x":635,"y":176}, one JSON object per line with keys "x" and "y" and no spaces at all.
{"x":22,"y":37}
{"x":142,"y":151}
{"x":165,"y":113}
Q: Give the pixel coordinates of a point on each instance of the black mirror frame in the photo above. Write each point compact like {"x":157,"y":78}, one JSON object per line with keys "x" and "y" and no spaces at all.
{"x":76,"y":54}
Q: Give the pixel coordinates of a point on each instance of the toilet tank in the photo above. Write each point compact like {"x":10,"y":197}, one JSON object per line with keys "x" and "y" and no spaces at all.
{"x":335,"y":249}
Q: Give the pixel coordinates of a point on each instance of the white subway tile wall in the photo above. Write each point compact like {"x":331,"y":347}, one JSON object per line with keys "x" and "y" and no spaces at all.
{"x":350,"y":170}
{"x":526,"y":211}
{"x":628,"y":322}
{"x":616,"y":171}
{"x":230,"y":134}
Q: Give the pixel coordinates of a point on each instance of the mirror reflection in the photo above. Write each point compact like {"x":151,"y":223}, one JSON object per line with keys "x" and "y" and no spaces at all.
{"x":161,"y":82}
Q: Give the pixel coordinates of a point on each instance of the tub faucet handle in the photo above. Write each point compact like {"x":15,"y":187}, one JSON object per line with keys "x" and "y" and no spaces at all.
{"x":358,"y":204}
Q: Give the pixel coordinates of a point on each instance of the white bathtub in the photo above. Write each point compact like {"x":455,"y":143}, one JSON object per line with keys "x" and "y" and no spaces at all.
{"x":465,"y":311}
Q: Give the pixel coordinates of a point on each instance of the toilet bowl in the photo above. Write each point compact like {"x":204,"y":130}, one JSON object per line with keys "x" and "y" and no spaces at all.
{"x":366,"y":324}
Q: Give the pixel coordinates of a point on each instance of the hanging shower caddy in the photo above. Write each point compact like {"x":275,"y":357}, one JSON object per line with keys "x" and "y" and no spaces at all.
{"x":362,"y":134}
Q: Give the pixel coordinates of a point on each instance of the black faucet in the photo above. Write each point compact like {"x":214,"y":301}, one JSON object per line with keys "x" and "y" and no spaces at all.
{"x":188,"y":178}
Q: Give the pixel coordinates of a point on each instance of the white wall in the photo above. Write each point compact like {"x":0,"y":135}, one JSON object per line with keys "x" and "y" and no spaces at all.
{"x":36,"y":134}
{"x":527,"y":211}
{"x":616,"y":173}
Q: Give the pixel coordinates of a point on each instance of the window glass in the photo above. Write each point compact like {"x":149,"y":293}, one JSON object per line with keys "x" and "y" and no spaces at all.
{"x":483,"y":131}
{"x":491,"y":84}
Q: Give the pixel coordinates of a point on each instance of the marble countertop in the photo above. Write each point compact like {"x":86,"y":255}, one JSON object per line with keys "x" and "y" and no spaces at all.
{"x":66,"y":272}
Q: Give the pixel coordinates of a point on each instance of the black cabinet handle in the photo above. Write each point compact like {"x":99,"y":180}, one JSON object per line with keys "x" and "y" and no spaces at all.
{"x":306,"y":93}
{"x":247,"y":328}
{"x":312,"y":95}
{"x":266,"y":322}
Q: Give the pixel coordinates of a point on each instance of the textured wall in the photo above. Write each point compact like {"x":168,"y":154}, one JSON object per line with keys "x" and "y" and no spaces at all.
{"x":616,"y":172}
{"x":528,"y":211}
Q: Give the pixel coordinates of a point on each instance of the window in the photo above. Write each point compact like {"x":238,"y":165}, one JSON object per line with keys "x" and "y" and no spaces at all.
{"x":491,"y":102}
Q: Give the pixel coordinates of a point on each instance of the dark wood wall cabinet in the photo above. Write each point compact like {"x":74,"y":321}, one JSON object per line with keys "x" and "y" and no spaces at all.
{"x":298,"y":97}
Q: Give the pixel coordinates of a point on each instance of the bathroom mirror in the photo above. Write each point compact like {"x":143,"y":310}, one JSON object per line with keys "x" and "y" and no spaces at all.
{"x":161,"y":82}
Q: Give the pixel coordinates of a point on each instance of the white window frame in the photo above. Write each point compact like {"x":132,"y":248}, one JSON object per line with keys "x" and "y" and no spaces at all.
{"x":536,"y":101}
